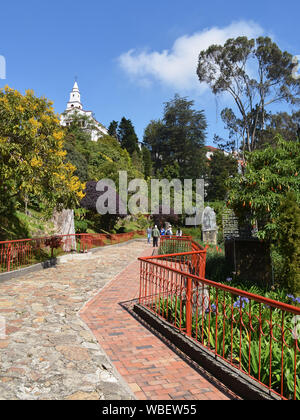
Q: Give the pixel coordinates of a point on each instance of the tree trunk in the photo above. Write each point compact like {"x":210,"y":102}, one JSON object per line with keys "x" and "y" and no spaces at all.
{"x":64,"y":225}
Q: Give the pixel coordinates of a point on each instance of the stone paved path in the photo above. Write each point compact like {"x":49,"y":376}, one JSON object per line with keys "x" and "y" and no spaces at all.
{"x":51,"y":353}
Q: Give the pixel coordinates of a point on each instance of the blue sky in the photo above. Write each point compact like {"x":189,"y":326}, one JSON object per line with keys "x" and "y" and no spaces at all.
{"x":130,"y":56}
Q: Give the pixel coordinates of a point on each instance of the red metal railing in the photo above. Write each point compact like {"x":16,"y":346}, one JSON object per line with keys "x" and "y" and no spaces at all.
{"x":255,"y":335}
{"x":23,"y":252}
{"x":175,"y":244}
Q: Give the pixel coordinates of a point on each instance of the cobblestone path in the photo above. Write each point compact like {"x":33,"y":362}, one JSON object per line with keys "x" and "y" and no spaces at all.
{"x":69,"y":337}
{"x":48,"y":351}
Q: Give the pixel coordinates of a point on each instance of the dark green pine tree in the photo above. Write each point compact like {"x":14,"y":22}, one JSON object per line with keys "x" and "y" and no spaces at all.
{"x":220,"y":168}
{"x":154,"y":139}
{"x":147,"y":162}
{"x":177,"y":140}
{"x":185,"y":129}
{"x":113,"y":129}
{"x":128,"y":137}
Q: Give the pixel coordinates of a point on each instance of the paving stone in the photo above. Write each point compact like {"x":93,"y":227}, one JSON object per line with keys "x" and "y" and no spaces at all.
{"x":4,"y":344}
{"x":83,"y":396}
{"x":74,"y":353}
{"x":62,"y":339}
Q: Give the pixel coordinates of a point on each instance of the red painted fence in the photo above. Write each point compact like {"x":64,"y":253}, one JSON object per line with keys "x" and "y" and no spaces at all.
{"x":21,"y":253}
{"x":255,"y":335}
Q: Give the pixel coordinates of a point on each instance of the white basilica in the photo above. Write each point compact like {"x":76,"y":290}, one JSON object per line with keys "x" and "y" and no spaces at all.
{"x":74,"y":107}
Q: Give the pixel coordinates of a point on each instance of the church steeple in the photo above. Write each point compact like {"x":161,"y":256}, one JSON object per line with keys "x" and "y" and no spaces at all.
{"x":74,"y":107}
{"x":74,"y":101}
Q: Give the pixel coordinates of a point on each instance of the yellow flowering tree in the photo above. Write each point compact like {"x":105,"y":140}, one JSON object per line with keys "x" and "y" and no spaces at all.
{"x":33,"y":164}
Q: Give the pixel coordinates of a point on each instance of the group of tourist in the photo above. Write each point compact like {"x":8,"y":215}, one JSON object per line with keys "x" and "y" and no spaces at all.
{"x":156,"y":233}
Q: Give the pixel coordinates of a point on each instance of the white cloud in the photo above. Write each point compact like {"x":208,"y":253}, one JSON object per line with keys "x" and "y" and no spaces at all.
{"x":176,"y":68}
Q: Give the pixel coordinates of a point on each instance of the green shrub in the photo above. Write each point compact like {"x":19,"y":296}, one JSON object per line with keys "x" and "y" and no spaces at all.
{"x":287,"y":241}
{"x":217,"y":268}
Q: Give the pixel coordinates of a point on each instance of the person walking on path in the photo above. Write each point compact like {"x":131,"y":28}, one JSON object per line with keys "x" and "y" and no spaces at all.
{"x":179,"y":232}
{"x":162,"y":231}
{"x":169,"y":231}
{"x":155,"y":236}
{"x":149,"y":234}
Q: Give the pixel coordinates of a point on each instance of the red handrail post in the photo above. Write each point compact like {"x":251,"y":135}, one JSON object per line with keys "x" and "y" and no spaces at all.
{"x":188,"y":308}
{"x":8,"y":257}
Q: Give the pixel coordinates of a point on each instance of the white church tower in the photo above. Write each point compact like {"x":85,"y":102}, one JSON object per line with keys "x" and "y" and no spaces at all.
{"x":74,"y":101}
{"x":74,"y":107}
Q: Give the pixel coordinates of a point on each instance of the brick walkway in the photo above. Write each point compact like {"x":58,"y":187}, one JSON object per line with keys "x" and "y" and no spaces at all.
{"x":152,"y":370}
